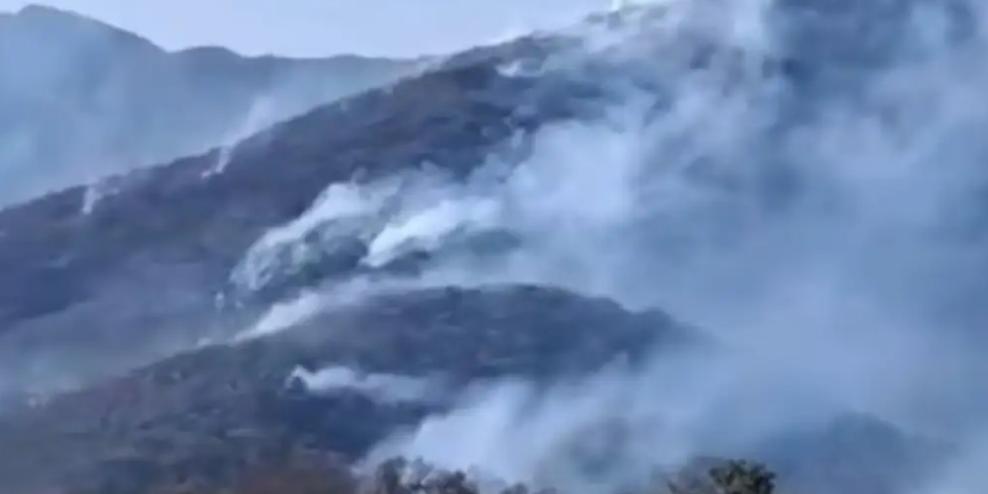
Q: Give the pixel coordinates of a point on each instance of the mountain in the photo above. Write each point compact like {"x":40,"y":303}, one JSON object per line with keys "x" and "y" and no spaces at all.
{"x":205,"y":417}
{"x":81,"y":100}
{"x":79,"y":265}
{"x":474,"y":264}
{"x":74,"y":284}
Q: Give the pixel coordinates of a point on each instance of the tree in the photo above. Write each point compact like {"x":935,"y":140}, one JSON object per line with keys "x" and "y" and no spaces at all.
{"x":741,"y":477}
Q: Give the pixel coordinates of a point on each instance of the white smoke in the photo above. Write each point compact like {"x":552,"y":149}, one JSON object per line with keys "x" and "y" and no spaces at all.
{"x":284,"y":315}
{"x":616,"y":427}
{"x":387,"y":388}
{"x":261,"y":114}
{"x":340,"y":207}
{"x":290,"y":313}
{"x":427,"y":229}
{"x":968,"y":475}
{"x":518,"y":432}
{"x":832,"y":239}
{"x":95,"y":193}
{"x":125,"y":104}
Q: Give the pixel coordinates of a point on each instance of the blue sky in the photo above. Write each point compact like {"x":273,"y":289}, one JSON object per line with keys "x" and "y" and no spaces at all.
{"x":324,"y":27}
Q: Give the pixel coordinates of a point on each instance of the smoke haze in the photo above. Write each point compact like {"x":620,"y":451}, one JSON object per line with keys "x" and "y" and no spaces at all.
{"x":802,"y":180}
{"x":818,"y":207}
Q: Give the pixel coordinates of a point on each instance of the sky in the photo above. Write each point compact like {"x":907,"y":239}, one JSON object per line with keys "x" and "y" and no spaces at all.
{"x":326,"y":27}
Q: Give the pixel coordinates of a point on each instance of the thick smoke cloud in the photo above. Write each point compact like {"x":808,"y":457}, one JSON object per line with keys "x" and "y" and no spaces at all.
{"x":819,"y":208}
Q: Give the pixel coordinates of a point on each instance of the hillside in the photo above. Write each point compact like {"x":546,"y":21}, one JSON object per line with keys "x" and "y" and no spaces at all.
{"x":666,"y":234}
{"x":81,"y":100}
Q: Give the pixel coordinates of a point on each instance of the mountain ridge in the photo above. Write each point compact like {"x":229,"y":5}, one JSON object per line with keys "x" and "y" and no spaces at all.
{"x":173,"y":223}
{"x":94,"y":100}
{"x":586,"y":167}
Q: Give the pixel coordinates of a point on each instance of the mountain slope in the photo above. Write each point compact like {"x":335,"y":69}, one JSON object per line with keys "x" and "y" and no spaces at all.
{"x":80,"y":100}
{"x":74,"y":281}
{"x":206,"y":417}
{"x":749,"y":180}
{"x":78,"y":265}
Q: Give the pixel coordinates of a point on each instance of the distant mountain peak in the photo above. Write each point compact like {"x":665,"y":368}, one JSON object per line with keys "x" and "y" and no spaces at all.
{"x":124,"y":102}
{"x":44,"y":17}
{"x":39,"y":9}
{"x":55,"y":14}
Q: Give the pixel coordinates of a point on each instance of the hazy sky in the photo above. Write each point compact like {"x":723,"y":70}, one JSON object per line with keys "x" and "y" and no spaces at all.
{"x":322,"y":27}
